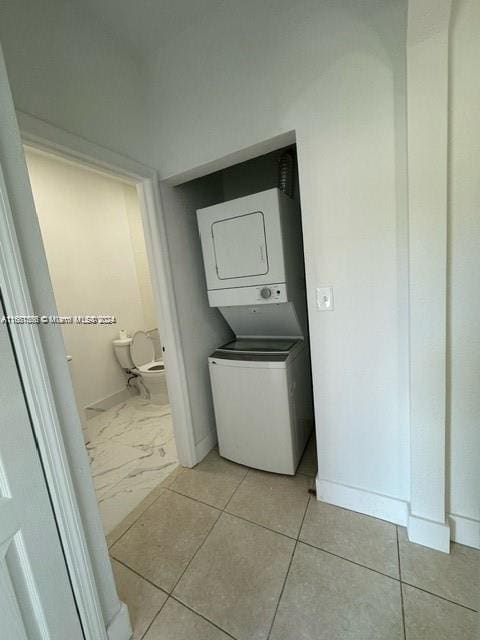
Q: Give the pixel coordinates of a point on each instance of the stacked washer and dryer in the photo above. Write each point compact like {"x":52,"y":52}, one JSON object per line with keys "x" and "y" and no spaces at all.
{"x":261,"y":381}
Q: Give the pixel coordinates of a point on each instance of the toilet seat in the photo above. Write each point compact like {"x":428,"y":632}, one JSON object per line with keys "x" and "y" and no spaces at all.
{"x":156,"y":366}
{"x":137,"y":356}
{"x":141,"y":350}
{"x":143,"y":354}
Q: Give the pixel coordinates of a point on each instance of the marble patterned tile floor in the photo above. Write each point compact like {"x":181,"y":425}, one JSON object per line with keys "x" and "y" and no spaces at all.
{"x":132,"y":450}
{"x":224,"y":552}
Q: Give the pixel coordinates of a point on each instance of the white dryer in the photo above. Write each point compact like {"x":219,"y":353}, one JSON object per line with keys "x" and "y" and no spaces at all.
{"x":253,"y":258}
{"x":251,"y":249}
{"x":262,"y":399}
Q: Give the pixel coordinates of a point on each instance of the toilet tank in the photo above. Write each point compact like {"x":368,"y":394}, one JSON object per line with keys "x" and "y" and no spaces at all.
{"x":122,"y":352}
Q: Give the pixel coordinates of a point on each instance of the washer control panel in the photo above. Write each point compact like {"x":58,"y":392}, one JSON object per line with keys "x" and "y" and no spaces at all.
{"x":271,"y":292}
{"x":274,"y":293}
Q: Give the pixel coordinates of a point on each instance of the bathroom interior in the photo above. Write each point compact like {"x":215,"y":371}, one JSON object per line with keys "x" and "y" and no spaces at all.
{"x":94,"y":240}
{"x":92,"y":231}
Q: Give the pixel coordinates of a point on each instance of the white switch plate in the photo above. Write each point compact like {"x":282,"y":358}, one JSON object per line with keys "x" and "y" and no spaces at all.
{"x":324,"y":298}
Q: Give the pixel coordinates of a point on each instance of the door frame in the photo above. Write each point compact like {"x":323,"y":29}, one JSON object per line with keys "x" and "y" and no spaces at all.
{"x":46,"y":137}
{"x":32,"y":363}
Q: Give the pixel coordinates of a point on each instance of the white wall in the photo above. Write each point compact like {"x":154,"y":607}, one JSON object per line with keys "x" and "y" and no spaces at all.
{"x":137,"y":236}
{"x":63,"y":68}
{"x":140,"y":259}
{"x":202,"y":328}
{"x":86,"y":220}
{"x":463,"y":357}
{"x":335,"y":73}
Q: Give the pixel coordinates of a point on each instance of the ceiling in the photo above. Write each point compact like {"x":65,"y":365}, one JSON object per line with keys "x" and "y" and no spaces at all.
{"x":144,"y":25}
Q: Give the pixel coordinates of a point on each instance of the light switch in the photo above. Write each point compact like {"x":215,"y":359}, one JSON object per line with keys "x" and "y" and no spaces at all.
{"x":325,"y":298}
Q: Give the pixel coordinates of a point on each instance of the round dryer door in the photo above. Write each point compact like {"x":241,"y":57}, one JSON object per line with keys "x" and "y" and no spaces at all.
{"x":141,"y":349}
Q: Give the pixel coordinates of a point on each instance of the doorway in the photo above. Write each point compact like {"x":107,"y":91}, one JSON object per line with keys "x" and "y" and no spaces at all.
{"x":94,"y":240}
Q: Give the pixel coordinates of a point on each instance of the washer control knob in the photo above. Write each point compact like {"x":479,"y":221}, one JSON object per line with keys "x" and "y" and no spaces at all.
{"x":266,"y":293}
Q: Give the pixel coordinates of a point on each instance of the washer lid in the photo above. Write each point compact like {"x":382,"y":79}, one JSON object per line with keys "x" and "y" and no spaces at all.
{"x":259,"y":345}
{"x":141,"y":349}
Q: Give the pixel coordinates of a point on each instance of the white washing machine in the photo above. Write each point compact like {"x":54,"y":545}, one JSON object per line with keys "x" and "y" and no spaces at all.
{"x":262,"y":398}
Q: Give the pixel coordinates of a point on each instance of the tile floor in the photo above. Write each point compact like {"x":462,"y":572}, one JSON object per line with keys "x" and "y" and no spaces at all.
{"x":132,"y":450}
{"x":221,"y":551}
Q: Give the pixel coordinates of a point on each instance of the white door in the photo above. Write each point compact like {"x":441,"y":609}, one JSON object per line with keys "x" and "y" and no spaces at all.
{"x":36,"y":600}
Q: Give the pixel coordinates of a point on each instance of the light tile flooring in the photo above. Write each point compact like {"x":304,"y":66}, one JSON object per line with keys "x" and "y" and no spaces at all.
{"x":221,"y":551}
{"x":132,"y":450}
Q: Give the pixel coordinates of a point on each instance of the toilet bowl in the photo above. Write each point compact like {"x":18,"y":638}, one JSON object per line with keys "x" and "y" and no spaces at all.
{"x":137,"y":355}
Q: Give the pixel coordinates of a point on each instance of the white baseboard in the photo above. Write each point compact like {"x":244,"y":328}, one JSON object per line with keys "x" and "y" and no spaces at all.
{"x":120,"y":627}
{"x":435,"y":535}
{"x":205,"y":446}
{"x":107,"y":403}
{"x":464,"y":530}
{"x":362,"y":501}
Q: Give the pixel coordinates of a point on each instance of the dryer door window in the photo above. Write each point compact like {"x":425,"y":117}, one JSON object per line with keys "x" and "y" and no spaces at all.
{"x":240,"y":246}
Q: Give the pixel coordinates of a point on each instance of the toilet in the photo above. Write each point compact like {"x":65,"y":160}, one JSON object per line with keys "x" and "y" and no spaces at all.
{"x":137,"y":355}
